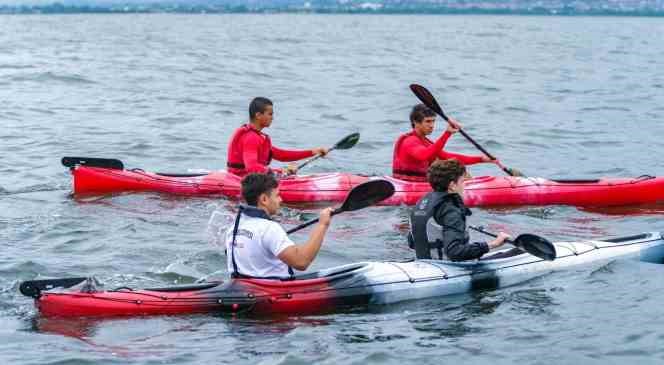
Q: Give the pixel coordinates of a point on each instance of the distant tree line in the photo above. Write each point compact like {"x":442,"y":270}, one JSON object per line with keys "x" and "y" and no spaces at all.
{"x":352,"y":8}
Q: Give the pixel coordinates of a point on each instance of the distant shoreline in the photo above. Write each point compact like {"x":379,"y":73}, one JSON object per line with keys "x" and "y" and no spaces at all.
{"x":183,"y":9}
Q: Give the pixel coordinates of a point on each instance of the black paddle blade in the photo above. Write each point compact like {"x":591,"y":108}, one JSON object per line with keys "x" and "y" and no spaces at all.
{"x":427,"y":99}
{"x":349,"y":142}
{"x":513,"y":172}
{"x":362,"y":196}
{"x":109,"y":163}
{"x":536,"y":246}
{"x":367,"y":194}
{"x":33,"y":288}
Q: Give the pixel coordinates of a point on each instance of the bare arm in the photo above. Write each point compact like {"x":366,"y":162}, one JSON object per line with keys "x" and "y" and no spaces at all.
{"x":300,"y":257}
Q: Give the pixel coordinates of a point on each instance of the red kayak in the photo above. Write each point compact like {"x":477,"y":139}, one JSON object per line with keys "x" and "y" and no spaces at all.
{"x":258,"y":296}
{"x":333,"y":187}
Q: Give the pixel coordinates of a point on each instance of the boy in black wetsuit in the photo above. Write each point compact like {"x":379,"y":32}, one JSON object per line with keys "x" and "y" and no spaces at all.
{"x":439,"y":218}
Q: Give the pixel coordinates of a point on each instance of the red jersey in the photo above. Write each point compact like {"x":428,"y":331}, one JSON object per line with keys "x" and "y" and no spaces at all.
{"x":413,"y":155}
{"x":251,"y":150}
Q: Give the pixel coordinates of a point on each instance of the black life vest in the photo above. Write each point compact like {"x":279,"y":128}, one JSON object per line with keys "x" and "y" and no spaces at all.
{"x":425,"y":233}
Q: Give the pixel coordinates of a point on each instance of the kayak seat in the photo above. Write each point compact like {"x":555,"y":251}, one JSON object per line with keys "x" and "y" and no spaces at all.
{"x":576,"y":181}
{"x":326,"y":273}
{"x":627,"y":238}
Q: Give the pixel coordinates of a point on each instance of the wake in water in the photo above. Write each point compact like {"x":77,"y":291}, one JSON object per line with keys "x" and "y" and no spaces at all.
{"x":33,"y":189}
{"x":218,"y":224}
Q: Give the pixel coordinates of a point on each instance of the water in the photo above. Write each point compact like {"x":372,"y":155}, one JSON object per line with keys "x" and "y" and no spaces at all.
{"x":555,"y":97}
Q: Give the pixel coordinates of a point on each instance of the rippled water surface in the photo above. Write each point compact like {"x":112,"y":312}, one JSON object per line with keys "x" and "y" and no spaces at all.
{"x":555,"y":97}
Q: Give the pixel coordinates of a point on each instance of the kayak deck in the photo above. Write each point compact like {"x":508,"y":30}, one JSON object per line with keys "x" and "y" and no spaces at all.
{"x":333,"y":187}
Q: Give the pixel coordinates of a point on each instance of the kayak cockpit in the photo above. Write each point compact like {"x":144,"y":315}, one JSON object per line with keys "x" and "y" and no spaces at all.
{"x":641,"y":236}
{"x":324,"y":276}
{"x":335,"y":272}
{"x":179,"y":288}
{"x":183,"y":174}
{"x":576,"y":181}
{"x":503,"y":254}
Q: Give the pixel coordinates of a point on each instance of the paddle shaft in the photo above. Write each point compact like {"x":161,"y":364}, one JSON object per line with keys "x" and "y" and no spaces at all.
{"x":307,"y":224}
{"x":481,"y":230}
{"x":429,"y":100}
{"x":463,"y":133}
{"x":433,"y":104}
{"x":361,"y":196}
{"x":305,"y":163}
{"x":347,"y":142}
{"x":478,"y":146}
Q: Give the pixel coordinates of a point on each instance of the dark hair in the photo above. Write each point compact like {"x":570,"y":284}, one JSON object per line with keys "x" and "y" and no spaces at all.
{"x":419,"y":112}
{"x":258,"y":105}
{"x":253,"y":185}
{"x":442,"y":173}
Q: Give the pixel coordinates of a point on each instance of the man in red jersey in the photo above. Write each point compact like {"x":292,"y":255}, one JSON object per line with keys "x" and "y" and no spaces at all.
{"x":414,"y":152}
{"x":250,"y":150}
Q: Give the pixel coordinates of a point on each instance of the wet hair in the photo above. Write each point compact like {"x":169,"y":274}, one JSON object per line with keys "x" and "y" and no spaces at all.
{"x":253,"y":185}
{"x":442,"y":173}
{"x":258,"y":105}
{"x":419,"y":112}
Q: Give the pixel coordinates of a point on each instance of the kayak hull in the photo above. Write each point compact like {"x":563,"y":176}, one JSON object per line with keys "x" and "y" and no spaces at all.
{"x":359,"y":284}
{"x":334,"y":187}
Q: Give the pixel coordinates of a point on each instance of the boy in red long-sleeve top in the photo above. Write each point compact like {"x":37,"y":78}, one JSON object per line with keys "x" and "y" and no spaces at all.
{"x":250,"y":150}
{"x":414,"y":152}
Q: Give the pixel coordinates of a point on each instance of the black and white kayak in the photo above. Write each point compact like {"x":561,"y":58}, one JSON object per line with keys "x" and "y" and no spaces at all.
{"x":358,"y":284}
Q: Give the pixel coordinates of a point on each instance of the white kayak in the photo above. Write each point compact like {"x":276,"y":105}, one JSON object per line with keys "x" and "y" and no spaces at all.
{"x":358,"y":284}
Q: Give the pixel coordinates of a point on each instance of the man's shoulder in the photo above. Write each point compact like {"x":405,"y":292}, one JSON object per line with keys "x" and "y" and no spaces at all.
{"x":254,"y":136}
{"x":409,"y":137}
{"x":262,"y":225}
{"x":449,"y":208}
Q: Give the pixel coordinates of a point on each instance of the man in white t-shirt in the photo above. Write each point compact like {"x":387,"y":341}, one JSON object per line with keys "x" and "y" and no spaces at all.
{"x":258,"y":247}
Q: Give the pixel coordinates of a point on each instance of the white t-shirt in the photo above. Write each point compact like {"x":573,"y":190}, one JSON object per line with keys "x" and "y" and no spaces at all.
{"x":257,"y":244}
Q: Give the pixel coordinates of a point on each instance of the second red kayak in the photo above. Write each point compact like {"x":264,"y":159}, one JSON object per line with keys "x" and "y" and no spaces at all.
{"x":333,"y":187}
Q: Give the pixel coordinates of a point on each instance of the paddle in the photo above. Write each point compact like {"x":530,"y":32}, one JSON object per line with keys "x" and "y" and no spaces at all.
{"x":427,"y":98}
{"x":361,"y":196}
{"x":33,"y":288}
{"x":533,"y":244}
{"x":347,"y":143}
{"x":109,"y":163}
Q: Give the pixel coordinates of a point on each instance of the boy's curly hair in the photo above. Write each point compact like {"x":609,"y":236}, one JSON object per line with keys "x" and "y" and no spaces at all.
{"x":442,"y":173}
